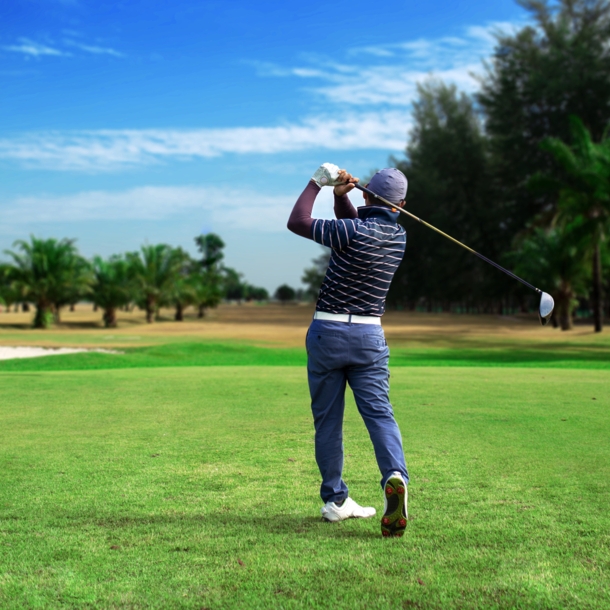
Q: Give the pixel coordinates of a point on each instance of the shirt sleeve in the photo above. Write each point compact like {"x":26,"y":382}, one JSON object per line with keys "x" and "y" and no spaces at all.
{"x":300,"y":220}
{"x":344,"y":208}
{"x":335,"y":234}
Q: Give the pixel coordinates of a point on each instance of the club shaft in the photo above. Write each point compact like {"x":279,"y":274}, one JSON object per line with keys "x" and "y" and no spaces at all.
{"x":455,"y":241}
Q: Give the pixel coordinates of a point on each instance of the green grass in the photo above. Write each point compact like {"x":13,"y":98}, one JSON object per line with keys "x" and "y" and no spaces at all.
{"x":169,"y":355}
{"x":196,"y":487}
{"x":207,"y":353}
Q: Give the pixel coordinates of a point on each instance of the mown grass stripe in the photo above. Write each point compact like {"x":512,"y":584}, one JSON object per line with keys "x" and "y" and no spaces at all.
{"x":240,"y":354}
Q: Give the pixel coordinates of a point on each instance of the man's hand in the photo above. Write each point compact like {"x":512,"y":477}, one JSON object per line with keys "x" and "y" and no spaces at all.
{"x":346,"y":181}
{"x":326,"y":175}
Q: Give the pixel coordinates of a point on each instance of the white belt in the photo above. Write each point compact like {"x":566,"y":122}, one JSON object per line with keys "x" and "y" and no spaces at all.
{"x":347,"y":317}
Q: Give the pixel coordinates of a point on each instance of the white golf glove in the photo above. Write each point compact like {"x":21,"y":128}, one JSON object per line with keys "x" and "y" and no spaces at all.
{"x":327,"y":175}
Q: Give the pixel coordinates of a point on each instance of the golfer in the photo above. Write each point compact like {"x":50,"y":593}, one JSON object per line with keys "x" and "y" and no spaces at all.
{"x":345,"y":342}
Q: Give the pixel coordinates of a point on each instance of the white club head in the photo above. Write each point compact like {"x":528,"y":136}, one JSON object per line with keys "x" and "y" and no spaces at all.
{"x":546,"y":308}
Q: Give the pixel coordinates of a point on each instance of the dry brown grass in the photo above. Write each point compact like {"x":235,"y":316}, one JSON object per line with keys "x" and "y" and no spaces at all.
{"x":283,"y":326}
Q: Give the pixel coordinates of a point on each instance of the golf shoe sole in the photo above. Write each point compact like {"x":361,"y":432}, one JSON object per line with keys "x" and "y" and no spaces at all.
{"x":394,"y":520}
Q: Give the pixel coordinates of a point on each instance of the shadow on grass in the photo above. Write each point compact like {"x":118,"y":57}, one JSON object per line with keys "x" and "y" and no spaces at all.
{"x":226,"y":522}
{"x":78,"y":325}
{"x":15,"y":325}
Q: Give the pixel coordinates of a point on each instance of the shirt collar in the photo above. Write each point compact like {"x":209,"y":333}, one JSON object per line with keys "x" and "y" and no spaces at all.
{"x":383,"y":214}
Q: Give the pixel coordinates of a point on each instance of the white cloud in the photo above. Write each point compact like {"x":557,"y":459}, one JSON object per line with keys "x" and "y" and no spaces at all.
{"x":112,"y":149}
{"x":372,"y":50}
{"x":379,"y":90}
{"x":392,"y":85}
{"x":388,"y":74}
{"x":34,"y":49}
{"x":31,"y":48}
{"x":238,"y":209}
{"x":93,"y":49}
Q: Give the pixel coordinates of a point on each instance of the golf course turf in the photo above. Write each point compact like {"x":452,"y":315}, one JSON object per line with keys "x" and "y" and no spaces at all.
{"x":148,"y":485}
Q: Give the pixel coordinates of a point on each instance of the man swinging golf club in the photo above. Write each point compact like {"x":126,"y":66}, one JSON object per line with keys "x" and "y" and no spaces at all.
{"x":345,"y":342}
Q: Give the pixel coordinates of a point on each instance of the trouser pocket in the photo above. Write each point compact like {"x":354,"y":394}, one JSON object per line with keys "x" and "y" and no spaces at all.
{"x":323,"y":350}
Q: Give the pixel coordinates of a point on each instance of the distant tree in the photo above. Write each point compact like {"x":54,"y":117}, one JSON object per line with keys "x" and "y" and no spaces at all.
{"x":451,"y":187}
{"x":583,"y":196}
{"x":9,"y":294}
{"x":285,"y":293}
{"x":211,"y":247}
{"x":554,"y":258}
{"x":234,"y":287}
{"x":208,"y":280}
{"x":539,"y":76}
{"x":208,"y":289}
{"x":256,"y":293}
{"x":314,"y":276}
{"x":4,"y":283}
{"x":606,"y":268}
{"x":154,"y":269}
{"x":186,"y":295}
{"x":112,"y":288}
{"x":78,"y":281}
{"x":182,"y":292}
{"x":45,"y":272}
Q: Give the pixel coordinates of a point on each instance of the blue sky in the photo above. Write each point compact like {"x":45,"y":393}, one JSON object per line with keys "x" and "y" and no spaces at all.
{"x":130,"y":122}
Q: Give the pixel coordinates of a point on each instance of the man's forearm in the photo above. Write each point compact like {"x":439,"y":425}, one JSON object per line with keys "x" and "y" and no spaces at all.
{"x":300,"y":220}
{"x":344,"y":208}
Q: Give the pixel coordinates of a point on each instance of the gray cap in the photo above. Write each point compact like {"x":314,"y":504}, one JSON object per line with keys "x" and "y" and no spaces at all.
{"x":390,"y":183}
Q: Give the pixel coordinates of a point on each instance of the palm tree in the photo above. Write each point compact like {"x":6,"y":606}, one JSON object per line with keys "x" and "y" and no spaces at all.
{"x":8,"y":292}
{"x":113,"y":287}
{"x":77,"y":284}
{"x":208,"y":287}
{"x":584,"y":193}
{"x":4,"y":284}
{"x":182,"y":291}
{"x":554,"y":258}
{"x":50,"y":273}
{"x":154,"y":269}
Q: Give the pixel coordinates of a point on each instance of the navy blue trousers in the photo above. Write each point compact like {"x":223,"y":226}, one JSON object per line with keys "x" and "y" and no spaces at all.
{"x":357,"y":354}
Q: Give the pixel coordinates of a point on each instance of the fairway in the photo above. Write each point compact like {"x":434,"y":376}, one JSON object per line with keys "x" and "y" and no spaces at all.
{"x":196,"y":487}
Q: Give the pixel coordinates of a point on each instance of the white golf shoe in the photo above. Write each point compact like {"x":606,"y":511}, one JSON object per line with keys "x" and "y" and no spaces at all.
{"x":395,"y":515}
{"x":349,"y":510}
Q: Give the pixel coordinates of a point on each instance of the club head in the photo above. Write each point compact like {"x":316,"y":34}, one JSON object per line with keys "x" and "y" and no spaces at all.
{"x":545,"y":311}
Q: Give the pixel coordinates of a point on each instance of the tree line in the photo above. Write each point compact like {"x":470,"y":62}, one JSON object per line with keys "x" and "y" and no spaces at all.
{"x":51,"y":275}
{"x":519,"y":171}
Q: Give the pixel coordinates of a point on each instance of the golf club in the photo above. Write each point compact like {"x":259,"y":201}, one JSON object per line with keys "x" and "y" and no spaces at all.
{"x":545,"y":309}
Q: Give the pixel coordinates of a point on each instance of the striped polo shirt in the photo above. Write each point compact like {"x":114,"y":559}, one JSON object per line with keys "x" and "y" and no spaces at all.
{"x":365,"y":253}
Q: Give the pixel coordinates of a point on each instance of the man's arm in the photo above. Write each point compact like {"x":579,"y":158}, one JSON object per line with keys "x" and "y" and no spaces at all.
{"x":300,"y":220}
{"x":344,"y":207}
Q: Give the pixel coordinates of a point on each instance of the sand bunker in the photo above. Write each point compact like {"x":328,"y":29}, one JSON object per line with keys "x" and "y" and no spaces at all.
{"x":8,"y":353}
